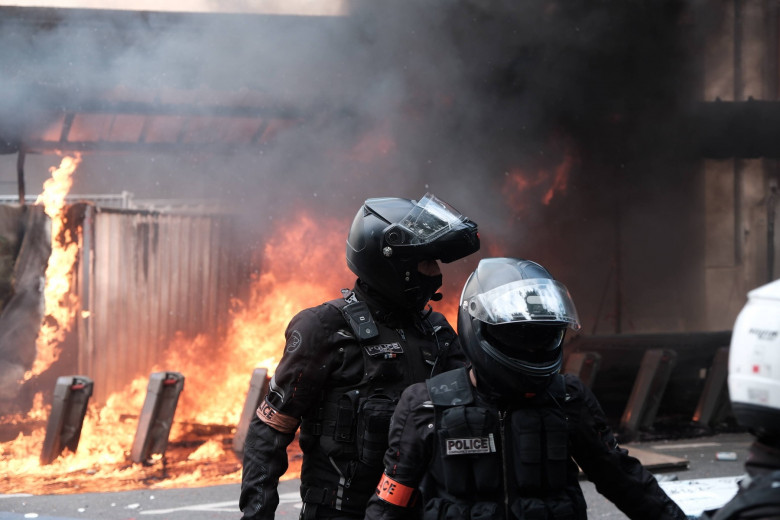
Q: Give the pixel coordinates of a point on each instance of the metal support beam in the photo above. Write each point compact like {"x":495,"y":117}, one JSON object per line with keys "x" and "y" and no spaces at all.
{"x":258,"y":389}
{"x":20,"y":174}
{"x":36,"y":146}
{"x":154,"y":424}
{"x":71,"y":396}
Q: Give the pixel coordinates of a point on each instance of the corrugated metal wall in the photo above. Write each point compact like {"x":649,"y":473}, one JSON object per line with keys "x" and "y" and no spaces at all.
{"x":144,"y":277}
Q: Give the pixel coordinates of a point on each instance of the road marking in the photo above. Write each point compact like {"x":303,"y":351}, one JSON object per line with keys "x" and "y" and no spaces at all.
{"x":231,"y":506}
{"x":686,"y":446}
{"x":699,"y":495}
{"x":693,"y":496}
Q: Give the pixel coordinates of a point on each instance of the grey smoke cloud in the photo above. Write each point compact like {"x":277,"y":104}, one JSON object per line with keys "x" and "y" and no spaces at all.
{"x":398,"y":98}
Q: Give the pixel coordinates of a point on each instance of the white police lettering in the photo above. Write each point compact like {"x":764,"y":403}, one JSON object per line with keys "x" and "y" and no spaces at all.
{"x":469,"y":446}
{"x":384,"y":349}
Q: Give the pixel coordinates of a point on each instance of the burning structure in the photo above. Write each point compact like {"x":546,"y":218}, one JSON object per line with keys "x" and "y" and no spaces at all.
{"x":625,"y":146}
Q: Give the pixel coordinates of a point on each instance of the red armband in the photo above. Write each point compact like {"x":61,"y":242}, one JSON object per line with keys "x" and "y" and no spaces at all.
{"x":394,"y":492}
{"x":276,"y":420}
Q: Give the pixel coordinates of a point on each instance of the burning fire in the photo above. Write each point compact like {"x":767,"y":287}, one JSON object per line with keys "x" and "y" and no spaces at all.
{"x":549,"y":180}
{"x":302,"y":266}
{"x":60,"y":302}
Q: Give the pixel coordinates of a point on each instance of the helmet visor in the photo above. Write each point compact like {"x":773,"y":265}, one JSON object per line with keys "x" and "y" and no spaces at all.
{"x":429,"y":219}
{"x":532,"y":300}
{"x":525,"y":340}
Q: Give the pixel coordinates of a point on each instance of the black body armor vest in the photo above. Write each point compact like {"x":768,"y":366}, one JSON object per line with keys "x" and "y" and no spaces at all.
{"x":348,"y":433}
{"x":491,"y":463}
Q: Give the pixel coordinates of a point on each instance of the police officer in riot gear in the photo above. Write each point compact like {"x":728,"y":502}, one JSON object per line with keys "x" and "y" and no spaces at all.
{"x":347,"y":361}
{"x":754,"y":391}
{"x":503,"y":439}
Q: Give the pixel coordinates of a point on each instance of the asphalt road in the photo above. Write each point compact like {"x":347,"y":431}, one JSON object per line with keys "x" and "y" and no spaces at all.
{"x":695,"y":472}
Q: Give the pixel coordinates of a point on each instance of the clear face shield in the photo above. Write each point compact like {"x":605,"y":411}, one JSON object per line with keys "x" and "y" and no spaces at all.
{"x":429,"y":219}
{"x":523,"y":301}
{"x":431,"y":230}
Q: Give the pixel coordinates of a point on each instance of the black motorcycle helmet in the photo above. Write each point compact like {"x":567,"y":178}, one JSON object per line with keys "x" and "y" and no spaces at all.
{"x":512,"y":320}
{"x":390,"y":236}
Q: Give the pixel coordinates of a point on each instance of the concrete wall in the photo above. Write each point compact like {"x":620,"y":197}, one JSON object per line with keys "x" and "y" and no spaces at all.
{"x":740,"y":63}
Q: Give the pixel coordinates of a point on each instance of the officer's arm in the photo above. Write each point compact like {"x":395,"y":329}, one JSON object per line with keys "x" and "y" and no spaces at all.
{"x":406,"y":460}
{"x":618,"y":476}
{"x":295,"y":387}
{"x":265,"y":460}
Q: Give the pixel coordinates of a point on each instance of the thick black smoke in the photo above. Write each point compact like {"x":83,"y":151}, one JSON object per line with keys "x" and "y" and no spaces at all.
{"x":400,"y":98}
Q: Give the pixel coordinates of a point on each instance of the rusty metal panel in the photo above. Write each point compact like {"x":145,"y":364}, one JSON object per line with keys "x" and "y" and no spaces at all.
{"x":146,"y":277}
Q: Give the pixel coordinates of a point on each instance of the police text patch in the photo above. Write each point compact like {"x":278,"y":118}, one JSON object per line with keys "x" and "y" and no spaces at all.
{"x":275,"y":419}
{"x":384,"y":349}
{"x":470,"y":445}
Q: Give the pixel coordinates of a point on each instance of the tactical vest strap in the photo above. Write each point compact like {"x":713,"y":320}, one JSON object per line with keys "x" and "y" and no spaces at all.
{"x":358,"y":316}
{"x":321,"y":496}
{"x":341,"y":413}
{"x":451,"y":388}
{"x":346,"y":410}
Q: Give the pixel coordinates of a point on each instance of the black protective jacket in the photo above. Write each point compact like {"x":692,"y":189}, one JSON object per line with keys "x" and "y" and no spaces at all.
{"x":454,"y":455}
{"x":758,"y":496}
{"x":341,"y":391}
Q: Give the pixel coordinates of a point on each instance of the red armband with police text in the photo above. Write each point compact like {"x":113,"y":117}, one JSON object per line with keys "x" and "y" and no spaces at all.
{"x":276,"y":420}
{"x":394,"y":492}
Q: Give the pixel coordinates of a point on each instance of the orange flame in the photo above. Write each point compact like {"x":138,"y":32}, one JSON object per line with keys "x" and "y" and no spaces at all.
{"x":519,"y":183}
{"x":59,"y":301}
{"x":560,"y":179}
{"x":302,"y":266}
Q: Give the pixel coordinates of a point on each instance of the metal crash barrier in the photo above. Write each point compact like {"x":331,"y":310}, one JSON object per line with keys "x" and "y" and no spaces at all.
{"x":69,"y":406}
{"x":714,"y":405}
{"x":258,"y":388}
{"x":682,"y":396}
{"x":154,"y":424}
{"x":654,"y":373}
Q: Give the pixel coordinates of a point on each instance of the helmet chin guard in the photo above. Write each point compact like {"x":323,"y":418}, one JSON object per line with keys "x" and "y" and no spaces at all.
{"x":390,"y":236}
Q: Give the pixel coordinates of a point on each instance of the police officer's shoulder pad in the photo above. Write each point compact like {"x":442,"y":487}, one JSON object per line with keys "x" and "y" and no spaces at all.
{"x":451,"y":388}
